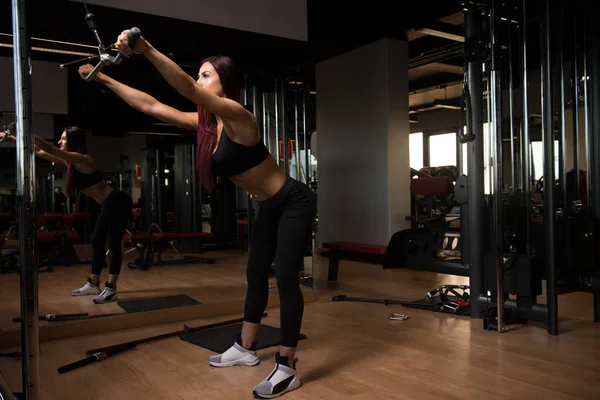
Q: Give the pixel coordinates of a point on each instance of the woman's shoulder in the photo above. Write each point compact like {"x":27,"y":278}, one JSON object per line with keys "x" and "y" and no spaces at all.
{"x":87,"y":167}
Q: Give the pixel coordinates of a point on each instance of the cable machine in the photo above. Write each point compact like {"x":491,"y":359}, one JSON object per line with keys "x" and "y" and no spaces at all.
{"x":528,"y":65}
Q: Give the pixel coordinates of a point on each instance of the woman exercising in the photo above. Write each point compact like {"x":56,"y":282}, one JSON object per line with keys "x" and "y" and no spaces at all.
{"x":116,"y":206}
{"x":229,"y":144}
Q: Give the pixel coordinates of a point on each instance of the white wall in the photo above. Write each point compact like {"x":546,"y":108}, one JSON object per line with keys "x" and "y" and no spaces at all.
{"x":362,"y":115}
{"x":284,"y":18}
{"x":49,"y":87}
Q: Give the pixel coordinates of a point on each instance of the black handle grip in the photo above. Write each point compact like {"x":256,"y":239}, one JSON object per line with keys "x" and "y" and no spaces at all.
{"x":96,"y":357}
{"x":81,"y":363}
{"x":91,"y":21}
{"x":51,"y":317}
{"x":134,"y":35}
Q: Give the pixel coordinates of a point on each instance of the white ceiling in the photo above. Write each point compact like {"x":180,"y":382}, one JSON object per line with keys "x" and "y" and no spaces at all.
{"x":283,"y":18}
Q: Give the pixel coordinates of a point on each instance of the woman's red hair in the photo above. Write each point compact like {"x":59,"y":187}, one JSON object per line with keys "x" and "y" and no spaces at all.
{"x":76,"y":143}
{"x":207,"y":122}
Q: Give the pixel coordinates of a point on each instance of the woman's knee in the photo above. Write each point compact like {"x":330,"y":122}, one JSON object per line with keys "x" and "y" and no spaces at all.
{"x":99,"y":243}
{"x":287,"y":280}
{"x":114,"y":246}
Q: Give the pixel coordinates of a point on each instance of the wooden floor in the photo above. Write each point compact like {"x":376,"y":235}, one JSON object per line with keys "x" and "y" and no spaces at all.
{"x":352,"y":351}
{"x":206,"y":283}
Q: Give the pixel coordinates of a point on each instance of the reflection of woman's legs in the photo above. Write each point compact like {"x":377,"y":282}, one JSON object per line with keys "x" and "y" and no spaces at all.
{"x":92,"y":286}
{"x":99,"y":244}
{"x":110,"y":227}
{"x":121,"y":213}
{"x":119,"y":209}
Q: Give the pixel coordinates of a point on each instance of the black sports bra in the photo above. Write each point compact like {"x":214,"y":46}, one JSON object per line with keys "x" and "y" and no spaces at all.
{"x":83,"y":181}
{"x":232,"y":158}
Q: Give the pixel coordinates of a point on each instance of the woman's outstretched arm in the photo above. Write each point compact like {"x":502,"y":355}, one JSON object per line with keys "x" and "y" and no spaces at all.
{"x":66,"y":156}
{"x":183,"y":83}
{"x":144,"y":102}
{"x":38,"y":152}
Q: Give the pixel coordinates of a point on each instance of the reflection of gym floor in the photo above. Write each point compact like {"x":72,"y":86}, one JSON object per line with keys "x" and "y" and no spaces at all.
{"x":352,"y":351}
{"x":207,"y":283}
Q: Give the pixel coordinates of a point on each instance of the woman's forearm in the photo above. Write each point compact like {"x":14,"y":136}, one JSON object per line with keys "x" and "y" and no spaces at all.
{"x":42,"y":144}
{"x":177,"y":77}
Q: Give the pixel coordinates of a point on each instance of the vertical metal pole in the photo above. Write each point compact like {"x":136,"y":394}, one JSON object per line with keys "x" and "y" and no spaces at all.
{"x":53,"y":183}
{"x":511,"y":128}
{"x":593,"y":80}
{"x":297,"y":135}
{"x":475,"y":177}
{"x":26,"y":202}
{"x":575,"y":104}
{"x":285,"y":136}
{"x":586,"y":106}
{"x":277,"y":157}
{"x":562,"y":113}
{"x":154,"y":214}
{"x":257,"y":114}
{"x":265,"y":127}
{"x":496,"y":143}
{"x":305,"y":94}
{"x":249,"y":204}
{"x":526,"y":141}
{"x":460,"y":152}
{"x":594,"y":36}
{"x":161,"y":214}
{"x":548,"y":142}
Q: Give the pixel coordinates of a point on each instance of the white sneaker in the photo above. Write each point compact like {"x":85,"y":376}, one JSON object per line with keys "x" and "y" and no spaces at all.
{"x":108,"y":294}
{"x":281,"y":380}
{"x":87,"y":289}
{"x":235,"y":355}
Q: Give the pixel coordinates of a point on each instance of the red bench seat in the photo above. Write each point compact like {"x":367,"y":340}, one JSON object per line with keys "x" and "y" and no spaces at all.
{"x":348,"y":251}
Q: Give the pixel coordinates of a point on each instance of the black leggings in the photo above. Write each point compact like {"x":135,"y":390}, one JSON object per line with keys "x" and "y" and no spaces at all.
{"x":110,"y":228}
{"x":281,"y":233}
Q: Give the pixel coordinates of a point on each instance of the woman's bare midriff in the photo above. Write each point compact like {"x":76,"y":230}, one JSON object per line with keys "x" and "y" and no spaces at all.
{"x":262,"y":181}
{"x":99,"y":192}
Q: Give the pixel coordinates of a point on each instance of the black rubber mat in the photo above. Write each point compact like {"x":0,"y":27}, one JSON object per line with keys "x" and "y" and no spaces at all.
{"x":220,"y":339}
{"x":156,"y":303}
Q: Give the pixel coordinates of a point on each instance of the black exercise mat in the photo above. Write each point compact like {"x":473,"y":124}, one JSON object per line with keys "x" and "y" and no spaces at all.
{"x":220,"y":339}
{"x":156,"y":303}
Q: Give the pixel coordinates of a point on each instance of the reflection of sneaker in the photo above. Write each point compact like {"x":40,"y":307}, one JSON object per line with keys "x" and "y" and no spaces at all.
{"x":86,"y":289}
{"x":281,"y":380}
{"x":108,"y":294}
{"x":235,"y":355}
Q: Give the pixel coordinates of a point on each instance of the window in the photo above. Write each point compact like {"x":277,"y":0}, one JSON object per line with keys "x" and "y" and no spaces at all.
{"x":442,"y":149}
{"x":416,"y":150}
{"x":537,"y":154}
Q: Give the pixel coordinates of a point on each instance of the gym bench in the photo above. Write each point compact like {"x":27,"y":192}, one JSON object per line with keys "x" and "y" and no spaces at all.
{"x":55,"y":248}
{"x":150,"y":247}
{"x":353,"y":252}
{"x":52,"y":249}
